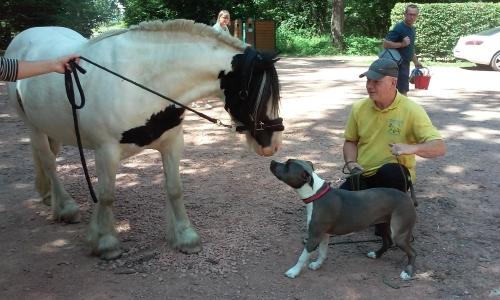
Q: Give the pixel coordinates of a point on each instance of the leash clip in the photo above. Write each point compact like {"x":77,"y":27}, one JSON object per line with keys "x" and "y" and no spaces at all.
{"x":259,"y":126}
{"x":339,"y":179}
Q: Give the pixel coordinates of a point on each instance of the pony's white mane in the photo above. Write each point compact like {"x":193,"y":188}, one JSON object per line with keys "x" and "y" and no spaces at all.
{"x":181,"y":25}
{"x":107,"y":34}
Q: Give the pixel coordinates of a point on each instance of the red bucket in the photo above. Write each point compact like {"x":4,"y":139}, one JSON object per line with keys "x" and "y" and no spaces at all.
{"x":422,"y":81}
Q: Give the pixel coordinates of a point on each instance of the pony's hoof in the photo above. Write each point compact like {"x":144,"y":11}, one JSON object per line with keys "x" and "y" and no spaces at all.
{"x":111,"y":255}
{"x":315,"y":265}
{"x":109,"y":248}
{"x":70,"y":214}
{"x":189,"y":242}
{"x":189,"y":249}
{"x":46,"y":200}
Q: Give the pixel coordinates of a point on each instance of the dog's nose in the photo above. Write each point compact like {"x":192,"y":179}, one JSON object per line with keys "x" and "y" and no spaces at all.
{"x":272,"y":166}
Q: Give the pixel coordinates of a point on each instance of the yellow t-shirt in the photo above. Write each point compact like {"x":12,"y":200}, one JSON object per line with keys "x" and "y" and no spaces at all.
{"x":374,"y":129}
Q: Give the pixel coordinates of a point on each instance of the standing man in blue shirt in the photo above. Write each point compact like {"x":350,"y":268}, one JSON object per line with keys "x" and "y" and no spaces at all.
{"x":402,"y":38}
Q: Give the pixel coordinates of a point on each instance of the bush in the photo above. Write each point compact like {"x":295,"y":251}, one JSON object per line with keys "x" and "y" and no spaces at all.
{"x":302,"y":42}
{"x":367,"y":18}
{"x":362,"y":45}
{"x":107,"y":27}
{"x":440,"y":25}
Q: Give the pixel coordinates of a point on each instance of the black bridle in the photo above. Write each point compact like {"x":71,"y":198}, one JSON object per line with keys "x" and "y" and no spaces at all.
{"x":247,"y":90}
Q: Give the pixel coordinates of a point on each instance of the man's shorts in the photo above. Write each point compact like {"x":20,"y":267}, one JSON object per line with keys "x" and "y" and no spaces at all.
{"x":390,"y":175}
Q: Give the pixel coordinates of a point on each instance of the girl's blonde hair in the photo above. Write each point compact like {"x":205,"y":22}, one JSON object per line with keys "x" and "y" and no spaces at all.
{"x":221,"y":13}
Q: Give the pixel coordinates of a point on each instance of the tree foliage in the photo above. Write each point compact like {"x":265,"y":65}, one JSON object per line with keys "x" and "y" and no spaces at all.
{"x":310,"y":19}
{"x":137,"y":11}
{"x":82,"y":16}
{"x":368,"y":18}
{"x":297,"y":14}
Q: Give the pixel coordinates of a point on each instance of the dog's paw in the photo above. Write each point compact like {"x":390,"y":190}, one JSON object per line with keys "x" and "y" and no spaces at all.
{"x":315,"y":265}
{"x":292,"y":273}
{"x":405,"y":276}
{"x":371,"y":254}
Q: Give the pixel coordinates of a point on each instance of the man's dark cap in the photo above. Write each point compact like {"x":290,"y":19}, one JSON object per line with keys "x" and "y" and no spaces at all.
{"x":380,"y":68}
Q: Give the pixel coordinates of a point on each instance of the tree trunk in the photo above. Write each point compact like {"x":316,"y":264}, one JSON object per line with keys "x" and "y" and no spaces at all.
{"x":337,"y":24}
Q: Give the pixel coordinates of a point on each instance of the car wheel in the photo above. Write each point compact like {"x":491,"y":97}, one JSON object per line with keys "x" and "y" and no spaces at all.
{"x":495,"y":62}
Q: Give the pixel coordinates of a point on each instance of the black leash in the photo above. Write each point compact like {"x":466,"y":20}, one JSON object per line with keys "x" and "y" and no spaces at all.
{"x":68,"y":82}
{"x":354,"y":242}
{"x":354,"y":175}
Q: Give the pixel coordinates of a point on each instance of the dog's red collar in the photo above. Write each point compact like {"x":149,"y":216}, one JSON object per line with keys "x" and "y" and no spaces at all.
{"x":323,"y":190}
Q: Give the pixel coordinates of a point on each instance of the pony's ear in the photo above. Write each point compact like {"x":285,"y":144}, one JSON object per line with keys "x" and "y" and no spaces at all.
{"x":223,"y":79}
{"x":275,"y":57}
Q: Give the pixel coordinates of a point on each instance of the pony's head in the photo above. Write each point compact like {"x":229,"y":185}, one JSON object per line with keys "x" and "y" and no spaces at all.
{"x":251,"y":91}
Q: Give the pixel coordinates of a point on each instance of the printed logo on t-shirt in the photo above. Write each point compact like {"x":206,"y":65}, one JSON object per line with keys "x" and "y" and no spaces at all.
{"x":394,"y":126}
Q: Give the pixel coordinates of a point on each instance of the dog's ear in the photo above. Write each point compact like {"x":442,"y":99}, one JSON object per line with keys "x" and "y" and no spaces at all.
{"x":311,"y":164}
{"x":308,"y":178}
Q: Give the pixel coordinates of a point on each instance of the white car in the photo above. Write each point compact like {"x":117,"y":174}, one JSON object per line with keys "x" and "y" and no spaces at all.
{"x":482,"y":48}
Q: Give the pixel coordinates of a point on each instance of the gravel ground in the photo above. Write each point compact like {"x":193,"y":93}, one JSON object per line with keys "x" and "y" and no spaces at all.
{"x":251,"y":224}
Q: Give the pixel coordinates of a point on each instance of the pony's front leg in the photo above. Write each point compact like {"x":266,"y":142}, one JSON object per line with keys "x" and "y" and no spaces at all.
{"x":102,"y":235}
{"x":182,"y":234}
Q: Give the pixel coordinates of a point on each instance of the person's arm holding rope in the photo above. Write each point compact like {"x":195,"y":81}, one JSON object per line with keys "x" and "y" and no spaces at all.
{"x":350,"y":151}
{"x":13,"y":69}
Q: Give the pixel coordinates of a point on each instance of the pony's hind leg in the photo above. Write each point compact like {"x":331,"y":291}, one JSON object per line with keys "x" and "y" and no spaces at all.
{"x":102,"y":235}
{"x":182,"y":234}
{"x":64,"y":208}
{"x":42,"y":180}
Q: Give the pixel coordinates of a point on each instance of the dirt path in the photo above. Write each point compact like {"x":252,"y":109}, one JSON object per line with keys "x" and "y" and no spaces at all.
{"x":251,"y":224}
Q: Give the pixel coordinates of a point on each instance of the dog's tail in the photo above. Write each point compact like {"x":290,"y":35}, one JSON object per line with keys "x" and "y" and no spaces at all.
{"x":408,"y":182}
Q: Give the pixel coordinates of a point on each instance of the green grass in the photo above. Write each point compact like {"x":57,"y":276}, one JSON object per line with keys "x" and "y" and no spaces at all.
{"x":301,"y":45}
